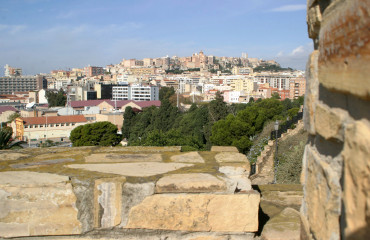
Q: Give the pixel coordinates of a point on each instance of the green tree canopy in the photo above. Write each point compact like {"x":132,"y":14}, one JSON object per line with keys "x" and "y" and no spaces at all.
{"x":56,"y":99}
{"x":95,"y":134}
{"x":13,"y":116}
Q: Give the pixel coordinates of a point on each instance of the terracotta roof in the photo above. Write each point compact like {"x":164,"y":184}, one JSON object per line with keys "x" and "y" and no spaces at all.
{"x":118,"y":103}
{"x":144,"y":104}
{"x":54,"y":119}
{"x":7,"y":108}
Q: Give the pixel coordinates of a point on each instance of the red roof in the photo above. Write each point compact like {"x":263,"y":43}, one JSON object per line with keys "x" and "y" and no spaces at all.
{"x":87,"y":103}
{"x":54,"y":119}
{"x":7,"y":108}
{"x":118,"y":103}
{"x":144,"y":104}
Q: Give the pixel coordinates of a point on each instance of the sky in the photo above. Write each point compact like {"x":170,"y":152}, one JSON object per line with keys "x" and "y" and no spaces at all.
{"x":43,"y":35}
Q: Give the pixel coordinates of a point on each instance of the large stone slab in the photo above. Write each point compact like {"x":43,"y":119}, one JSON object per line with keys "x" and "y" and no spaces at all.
{"x":11,"y":156}
{"x":118,"y":158}
{"x":197,"y":212}
{"x":41,"y":163}
{"x":34,"y":204}
{"x":284,"y":226}
{"x":238,"y":177}
{"x":231,"y":157}
{"x":190,"y":157}
{"x":224,"y":149}
{"x":190,"y":183}
{"x":142,"y":169}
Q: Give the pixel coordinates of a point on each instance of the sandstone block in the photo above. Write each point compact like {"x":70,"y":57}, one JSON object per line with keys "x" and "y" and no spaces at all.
{"x":312,"y":92}
{"x":142,"y":169}
{"x":231,"y":157}
{"x":108,"y":202}
{"x":344,"y":48}
{"x":117,"y":158}
{"x":357,"y":179}
{"x":224,"y":149}
{"x":284,"y":226}
{"x":329,"y":122}
{"x":37,"y":204}
{"x":197,"y":212}
{"x":190,"y":183}
{"x":10,"y":156}
{"x":238,"y":177}
{"x":322,"y":200}
{"x":190,"y":157}
{"x":314,"y":19}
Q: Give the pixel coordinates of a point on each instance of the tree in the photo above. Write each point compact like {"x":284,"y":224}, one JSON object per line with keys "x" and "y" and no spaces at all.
{"x":217,"y":109}
{"x":128,"y":120}
{"x":166,"y":93}
{"x":95,"y":134}
{"x":6,"y":141}
{"x":13,"y":116}
{"x":56,"y":99}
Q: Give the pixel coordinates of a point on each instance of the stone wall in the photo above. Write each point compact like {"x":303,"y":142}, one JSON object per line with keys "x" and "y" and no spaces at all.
{"x":336,"y":166}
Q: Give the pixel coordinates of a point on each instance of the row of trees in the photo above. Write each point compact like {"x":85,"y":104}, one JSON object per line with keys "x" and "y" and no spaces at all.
{"x":215,"y":123}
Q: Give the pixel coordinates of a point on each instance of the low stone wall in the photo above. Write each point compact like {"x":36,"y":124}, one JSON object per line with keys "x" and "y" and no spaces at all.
{"x":93,"y":192}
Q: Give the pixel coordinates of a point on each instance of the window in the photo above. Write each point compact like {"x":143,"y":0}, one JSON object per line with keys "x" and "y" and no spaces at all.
{"x":73,"y":124}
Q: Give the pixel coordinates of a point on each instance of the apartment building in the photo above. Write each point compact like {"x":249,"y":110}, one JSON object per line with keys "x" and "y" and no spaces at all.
{"x":9,"y":85}
{"x":91,"y":71}
{"x":12,"y":72}
{"x":297,"y":87}
{"x":135,"y":92}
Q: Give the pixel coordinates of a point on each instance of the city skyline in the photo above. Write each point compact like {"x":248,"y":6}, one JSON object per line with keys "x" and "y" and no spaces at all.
{"x":42,"y":35}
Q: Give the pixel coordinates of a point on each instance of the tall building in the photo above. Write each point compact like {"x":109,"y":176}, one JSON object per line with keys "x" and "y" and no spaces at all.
{"x":297,"y":87}
{"x":135,"y":92}
{"x":93,"y":71}
{"x":8,"y":85}
{"x":12,"y":72}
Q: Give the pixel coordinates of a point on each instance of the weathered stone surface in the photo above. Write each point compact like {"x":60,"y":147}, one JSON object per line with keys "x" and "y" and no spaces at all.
{"x":142,"y":169}
{"x":108,"y":201}
{"x":238,"y":176}
{"x":329,"y":122}
{"x":10,"y":156}
{"x":224,"y":149}
{"x":345,"y":48}
{"x":284,"y":226}
{"x":314,"y":19}
{"x":140,"y":149}
{"x":322,"y":200}
{"x":231,"y":157}
{"x":197,"y":212}
{"x":42,"y":163}
{"x":134,"y":194}
{"x":117,"y":158}
{"x":190,"y":157}
{"x":36,"y":204}
{"x":356,"y":156}
{"x":312,"y":92}
{"x":189,"y":183}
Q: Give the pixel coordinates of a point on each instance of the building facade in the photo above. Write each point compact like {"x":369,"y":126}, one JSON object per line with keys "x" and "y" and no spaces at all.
{"x":135,"y":92}
{"x":9,"y":85}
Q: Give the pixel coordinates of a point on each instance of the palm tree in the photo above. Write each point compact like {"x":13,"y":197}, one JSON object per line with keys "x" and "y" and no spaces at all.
{"x":6,"y":140}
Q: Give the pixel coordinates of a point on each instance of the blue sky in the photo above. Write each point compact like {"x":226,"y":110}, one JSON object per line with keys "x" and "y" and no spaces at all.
{"x":42,"y":35}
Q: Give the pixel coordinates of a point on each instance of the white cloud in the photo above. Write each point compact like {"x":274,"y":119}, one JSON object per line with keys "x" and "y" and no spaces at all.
{"x":296,"y":58}
{"x":298,"y":50}
{"x":289,"y":8}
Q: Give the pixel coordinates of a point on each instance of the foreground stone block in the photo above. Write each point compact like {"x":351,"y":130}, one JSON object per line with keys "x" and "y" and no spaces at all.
{"x":142,"y":169}
{"x":224,"y":149}
{"x":108,"y":201}
{"x":231,"y":157}
{"x":190,"y":157}
{"x":117,"y":158}
{"x":284,"y":226}
{"x":190,"y":183}
{"x":357,"y":179}
{"x":197,"y":212}
{"x":37,"y":204}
